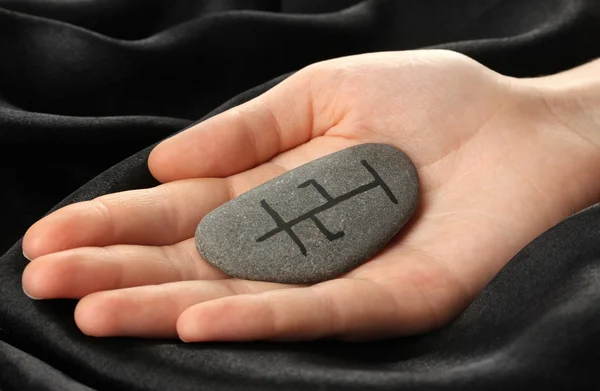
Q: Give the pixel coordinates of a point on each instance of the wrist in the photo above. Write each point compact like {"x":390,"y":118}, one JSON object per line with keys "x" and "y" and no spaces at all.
{"x":567,"y":109}
{"x":572,"y":98}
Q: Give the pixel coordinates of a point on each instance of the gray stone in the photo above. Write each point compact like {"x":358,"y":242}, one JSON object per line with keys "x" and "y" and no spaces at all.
{"x":315,"y":222}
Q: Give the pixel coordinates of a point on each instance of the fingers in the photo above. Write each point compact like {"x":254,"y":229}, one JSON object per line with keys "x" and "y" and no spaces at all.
{"x":245,"y":136}
{"x":152,"y":311}
{"x":159,"y":216}
{"x":346,"y":308}
{"x":394,"y":296}
{"x":78,"y":272}
{"x":238,"y":310}
{"x":163,"y":215}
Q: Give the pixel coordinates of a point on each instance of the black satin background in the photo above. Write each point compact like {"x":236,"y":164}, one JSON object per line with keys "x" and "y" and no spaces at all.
{"x":87,"y":84}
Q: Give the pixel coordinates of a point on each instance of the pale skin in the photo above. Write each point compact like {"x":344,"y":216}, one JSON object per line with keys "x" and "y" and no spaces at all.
{"x":500,"y":161}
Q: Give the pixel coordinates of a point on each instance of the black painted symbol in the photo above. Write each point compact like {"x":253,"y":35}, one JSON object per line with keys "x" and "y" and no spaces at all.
{"x":283,"y":226}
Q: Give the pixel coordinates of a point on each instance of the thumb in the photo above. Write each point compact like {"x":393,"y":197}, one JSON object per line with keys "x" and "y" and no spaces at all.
{"x":244,"y":136}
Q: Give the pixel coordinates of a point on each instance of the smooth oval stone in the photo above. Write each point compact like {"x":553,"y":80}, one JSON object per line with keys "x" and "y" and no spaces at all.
{"x":315,"y":222}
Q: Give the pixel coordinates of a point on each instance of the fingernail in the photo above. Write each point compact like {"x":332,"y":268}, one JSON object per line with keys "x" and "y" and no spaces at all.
{"x":28,"y":295}
{"x":26,"y":257}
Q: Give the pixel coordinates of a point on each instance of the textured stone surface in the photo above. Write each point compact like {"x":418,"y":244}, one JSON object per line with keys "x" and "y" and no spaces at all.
{"x":315,"y":222}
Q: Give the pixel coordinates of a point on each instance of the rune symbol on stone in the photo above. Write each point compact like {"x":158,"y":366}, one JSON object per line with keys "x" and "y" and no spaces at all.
{"x":287,"y":226}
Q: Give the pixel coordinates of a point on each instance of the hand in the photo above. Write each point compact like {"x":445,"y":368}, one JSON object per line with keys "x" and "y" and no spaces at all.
{"x":498,"y":165}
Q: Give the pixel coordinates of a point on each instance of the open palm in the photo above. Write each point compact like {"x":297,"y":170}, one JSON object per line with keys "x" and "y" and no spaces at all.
{"x":475,"y":137}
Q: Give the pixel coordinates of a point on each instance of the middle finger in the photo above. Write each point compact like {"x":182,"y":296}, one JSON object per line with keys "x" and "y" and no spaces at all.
{"x":81,"y":271}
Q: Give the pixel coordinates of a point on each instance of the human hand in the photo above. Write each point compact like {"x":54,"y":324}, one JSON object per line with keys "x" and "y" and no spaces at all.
{"x":497,"y":160}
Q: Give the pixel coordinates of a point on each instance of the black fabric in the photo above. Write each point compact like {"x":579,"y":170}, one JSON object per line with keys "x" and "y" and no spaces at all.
{"x":88,"y":86}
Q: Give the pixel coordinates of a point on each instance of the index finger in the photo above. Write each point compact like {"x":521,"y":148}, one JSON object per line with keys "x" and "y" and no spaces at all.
{"x":244,"y":136}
